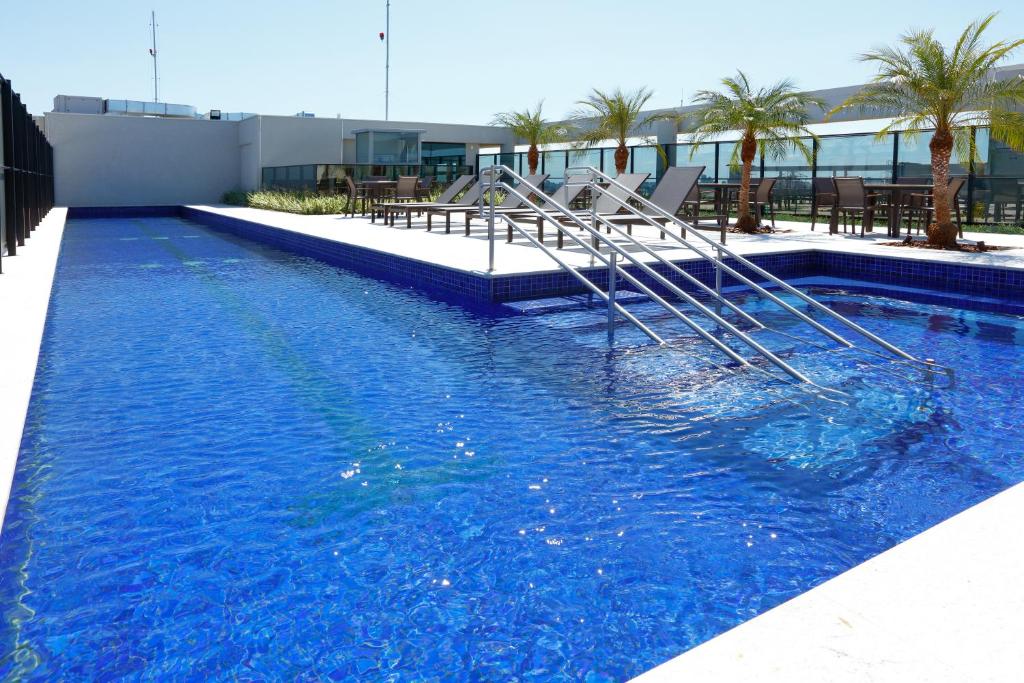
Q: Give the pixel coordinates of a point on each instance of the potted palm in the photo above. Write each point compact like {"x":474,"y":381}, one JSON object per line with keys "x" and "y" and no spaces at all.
{"x":925,"y":85}
{"x":770,"y":120}
{"x":530,"y":126}
{"x":614,"y":116}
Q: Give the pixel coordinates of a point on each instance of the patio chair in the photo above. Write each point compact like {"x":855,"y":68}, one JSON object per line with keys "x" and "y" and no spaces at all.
{"x":823,"y":194}
{"x":922,"y":206}
{"x":356,"y":193}
{"x":609,"y":201}
{"x":426,"y":184}
{"x":447,"y":198}
{"x":563,"y":196}
{"x":851,"y":199}
{"x":672,"y":190}
{"x":509,"y":203}
{"x":760,"y":198}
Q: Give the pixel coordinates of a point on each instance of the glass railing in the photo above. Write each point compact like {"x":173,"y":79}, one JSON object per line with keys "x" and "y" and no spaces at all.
{"x":987,"y":197}
{"x":330,"y":178}
{"x":139,"y":108}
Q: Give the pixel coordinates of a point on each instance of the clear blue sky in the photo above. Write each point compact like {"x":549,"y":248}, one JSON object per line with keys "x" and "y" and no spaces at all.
{"x":324,"y":56}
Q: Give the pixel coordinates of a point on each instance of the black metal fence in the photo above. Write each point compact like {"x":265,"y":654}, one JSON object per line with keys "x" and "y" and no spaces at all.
{"x":27,"y":169}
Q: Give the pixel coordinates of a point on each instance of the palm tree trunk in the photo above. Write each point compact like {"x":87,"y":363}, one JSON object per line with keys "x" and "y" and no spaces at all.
{"x":533,"y":159}
{"x":941,"y":233}
{"x":744,"y":221}
{"x":621,"y":158}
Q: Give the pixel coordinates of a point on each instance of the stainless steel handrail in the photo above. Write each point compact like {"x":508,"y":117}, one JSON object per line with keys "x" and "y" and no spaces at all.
{"x":596,"y":173}
{"x":595,"y":253}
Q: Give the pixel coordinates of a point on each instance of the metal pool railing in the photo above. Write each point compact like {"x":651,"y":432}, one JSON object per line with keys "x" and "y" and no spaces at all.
{"x":622,"y":250}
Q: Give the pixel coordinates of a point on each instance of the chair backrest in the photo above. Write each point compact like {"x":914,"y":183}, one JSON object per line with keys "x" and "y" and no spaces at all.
{"x":570,"y":190}
{"x":351,"y":186}
{"x":455,"y":188}
{"x":426,"y":182}
{"x":513,"y":202}
{"x":609,"y":200}
{"x":406,"y":186}
{"x":763,"y":194}
{"x":953,"y":189}
{"x":823,"y":187}
{"x":674,"y":187}
{"x":470,"y":196}
{"x":851,"y":191}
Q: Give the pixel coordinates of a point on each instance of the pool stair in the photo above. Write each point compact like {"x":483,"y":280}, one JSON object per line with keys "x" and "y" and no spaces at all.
{"x":610,"y":246}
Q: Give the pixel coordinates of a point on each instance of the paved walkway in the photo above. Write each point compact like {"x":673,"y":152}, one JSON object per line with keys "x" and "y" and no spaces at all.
{"x":471,"y":254}
{"x":24,"y":298}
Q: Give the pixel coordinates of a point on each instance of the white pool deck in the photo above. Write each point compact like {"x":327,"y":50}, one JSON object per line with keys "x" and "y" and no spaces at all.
{"x":946,"y":605}
{"x":456,"y":251}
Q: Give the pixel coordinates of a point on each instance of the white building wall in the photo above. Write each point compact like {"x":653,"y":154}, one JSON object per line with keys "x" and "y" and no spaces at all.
{"x":128,"y":161}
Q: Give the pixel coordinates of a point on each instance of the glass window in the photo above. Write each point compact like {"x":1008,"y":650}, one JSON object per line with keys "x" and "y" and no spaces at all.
{"x":395,"y":147}
{"x":1002,"y":160}
{"x":792,"y":191}
{"x":554,"y":165}
{"x":645,"y":160}
{"x":856,"y":155}
{"x":703,"y":156}
{"x":914,"y":159}
{"x":727,"y":172}
{"x":443,"y":149}
{"x":363,"y":148}
{"x":579,"y":158}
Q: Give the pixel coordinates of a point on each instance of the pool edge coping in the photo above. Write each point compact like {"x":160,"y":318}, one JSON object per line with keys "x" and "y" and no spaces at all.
{"x":942,"y":605}
{"x":25,"y":289}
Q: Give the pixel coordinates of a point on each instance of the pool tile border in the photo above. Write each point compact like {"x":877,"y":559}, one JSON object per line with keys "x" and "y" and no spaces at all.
{"x":481,"y":287}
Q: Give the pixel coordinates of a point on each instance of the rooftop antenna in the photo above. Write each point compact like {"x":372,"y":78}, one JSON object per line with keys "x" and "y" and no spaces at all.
{"x":152,"y":53}
{"x":385,"y":36}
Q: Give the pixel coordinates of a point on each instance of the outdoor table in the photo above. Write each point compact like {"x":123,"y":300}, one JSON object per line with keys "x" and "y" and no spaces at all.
{"x":895,"y":192}
{"x":721,"y":190}
{"x":376,"y":189}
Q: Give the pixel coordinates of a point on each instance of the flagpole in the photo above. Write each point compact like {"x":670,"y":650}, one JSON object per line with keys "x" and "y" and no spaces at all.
{"x":156,"y":91}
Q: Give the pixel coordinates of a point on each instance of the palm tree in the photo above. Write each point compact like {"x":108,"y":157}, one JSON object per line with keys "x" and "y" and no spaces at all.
{"x":531,"y":127}
{"x":768,"y":119}
{"x":927,"y":86}
{"x":614,"y":116}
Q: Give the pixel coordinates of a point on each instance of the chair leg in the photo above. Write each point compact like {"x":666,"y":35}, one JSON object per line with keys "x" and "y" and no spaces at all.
{"x":959,"y":223}
{"x":771,"y":210}
{"x":408,"y":219}
{"x":430,"y":221}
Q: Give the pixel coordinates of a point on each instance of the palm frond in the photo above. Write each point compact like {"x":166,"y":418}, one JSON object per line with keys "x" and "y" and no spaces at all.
{"x":776,"y":116}
{"x":925,"y":85}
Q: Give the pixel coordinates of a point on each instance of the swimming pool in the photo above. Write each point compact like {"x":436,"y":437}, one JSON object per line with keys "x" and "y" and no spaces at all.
{"x":242,"y":463}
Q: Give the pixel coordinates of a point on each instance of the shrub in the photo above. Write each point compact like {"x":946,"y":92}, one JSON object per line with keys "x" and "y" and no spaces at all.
{"x":290,"y":201}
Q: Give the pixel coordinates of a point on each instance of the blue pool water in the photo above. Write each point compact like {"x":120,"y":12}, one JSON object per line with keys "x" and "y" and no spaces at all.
{"x":245,"y":464}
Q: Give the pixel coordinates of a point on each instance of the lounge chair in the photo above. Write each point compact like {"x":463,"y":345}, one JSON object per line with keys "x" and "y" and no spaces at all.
{"x":510,"y":203}
{"x":674,"y":187}
{"x":608,"y":202}
{"x":447,"y":197}
{"x":564,"y":196}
